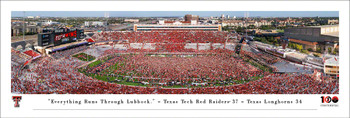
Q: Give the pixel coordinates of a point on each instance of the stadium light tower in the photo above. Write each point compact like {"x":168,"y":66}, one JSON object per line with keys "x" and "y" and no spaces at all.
{"x":245,"y":25}
{"x":23,"y":24}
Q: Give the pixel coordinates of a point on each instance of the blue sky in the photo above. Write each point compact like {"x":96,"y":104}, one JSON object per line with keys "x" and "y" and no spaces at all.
{"x":176,"y":13}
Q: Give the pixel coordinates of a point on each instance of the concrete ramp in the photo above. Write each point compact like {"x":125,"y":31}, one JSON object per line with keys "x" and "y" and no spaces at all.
{"x":218,"y":46}
{"x":230,"y":46}
{"x":136,"y":45}
{"x":191,"y":46}
{"x":203,"y":46}
{"x":150,"y":46}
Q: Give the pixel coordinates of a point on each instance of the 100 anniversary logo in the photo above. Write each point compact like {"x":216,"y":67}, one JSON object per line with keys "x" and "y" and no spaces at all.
{"x":328,"y":101}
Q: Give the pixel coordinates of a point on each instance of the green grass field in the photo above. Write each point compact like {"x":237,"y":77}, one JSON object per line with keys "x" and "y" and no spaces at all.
{"x":84,"y":57}
{"x":135,"y":82}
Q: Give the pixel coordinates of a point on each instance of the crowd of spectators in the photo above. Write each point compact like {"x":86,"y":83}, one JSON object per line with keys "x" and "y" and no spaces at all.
{"x":18,"y":59}
{"x":64,"y":53}
{"x":59,"y":74}
{"x":207,"y":66}
{"x":49,"y":76}
{"x":163,"y":36}
{"x":288,"y":84}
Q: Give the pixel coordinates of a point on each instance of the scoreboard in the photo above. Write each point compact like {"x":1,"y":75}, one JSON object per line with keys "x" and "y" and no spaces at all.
{"x":60,"y":36}
{"x":80,"y":34}
{"x":44,"y":39}
{"x":67,"y":37}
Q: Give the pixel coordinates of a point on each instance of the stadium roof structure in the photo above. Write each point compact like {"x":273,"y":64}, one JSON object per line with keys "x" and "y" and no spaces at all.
{"x":64,"y":46}
{"x":334,"y":34}
{"x":332,"y":61}
{"x":297,"y":55}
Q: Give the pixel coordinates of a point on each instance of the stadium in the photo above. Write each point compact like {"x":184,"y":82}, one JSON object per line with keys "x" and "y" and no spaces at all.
{"x":159,"y":61}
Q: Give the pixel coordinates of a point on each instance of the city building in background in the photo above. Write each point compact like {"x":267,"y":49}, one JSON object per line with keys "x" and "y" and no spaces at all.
{"x":131,"y":20}
{"x":171,"y":27}
{"x":325,"y":37}
{"x":29,"y":29}
{"x":190,"y":17}
{"x":166,"y":22}
{"x":222,"y":16}
{"x":329,"y":21}
{"x":241,"y":23}
{"x":48,"y":23}
{"x":95,"y":23}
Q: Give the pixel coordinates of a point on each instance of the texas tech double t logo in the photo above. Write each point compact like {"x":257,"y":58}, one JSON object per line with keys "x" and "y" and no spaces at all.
{"x":16,"y":99}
